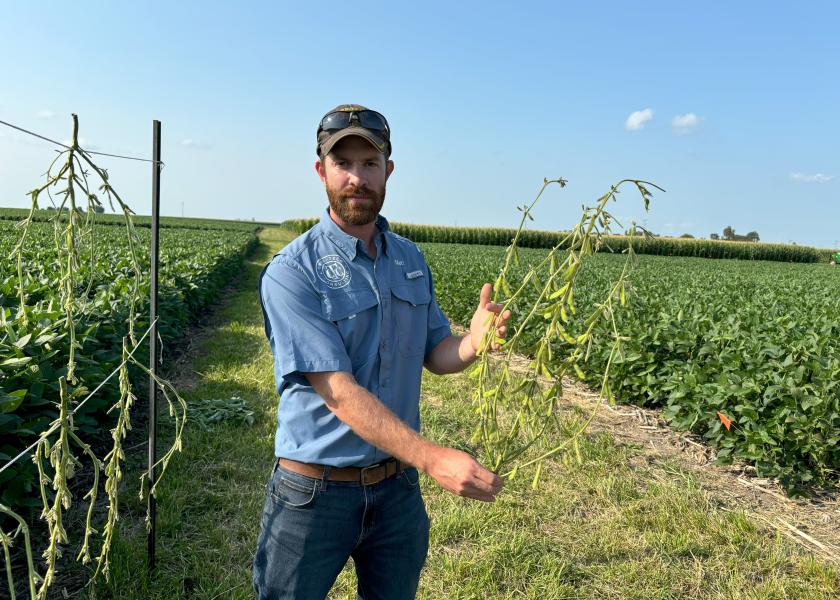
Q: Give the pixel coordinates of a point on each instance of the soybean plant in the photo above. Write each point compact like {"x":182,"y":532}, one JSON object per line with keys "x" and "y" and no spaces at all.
{"x":518,"y":409}
{"x":75,"y":242}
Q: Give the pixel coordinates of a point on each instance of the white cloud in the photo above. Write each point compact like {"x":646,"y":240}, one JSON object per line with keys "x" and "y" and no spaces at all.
{"x":683,"y":124}
{"x":191,"y":143}
{"x":637,"y":119}
{"x":44,"y":114}
{"x":815,"y":178}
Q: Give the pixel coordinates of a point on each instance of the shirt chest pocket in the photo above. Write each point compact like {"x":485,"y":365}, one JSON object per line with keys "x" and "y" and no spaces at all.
{"x":411,"y":316}
{"x":354,"y":314}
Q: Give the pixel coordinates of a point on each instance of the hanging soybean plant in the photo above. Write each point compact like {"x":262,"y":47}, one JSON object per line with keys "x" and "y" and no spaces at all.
{"x":518,"y":409}
{"x":69,"y":178}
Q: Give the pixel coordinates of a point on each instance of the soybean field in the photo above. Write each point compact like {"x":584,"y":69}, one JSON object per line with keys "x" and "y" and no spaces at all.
{"x":747,"y":354}
{"x":46,"y":215}
{"x":195,"y":264}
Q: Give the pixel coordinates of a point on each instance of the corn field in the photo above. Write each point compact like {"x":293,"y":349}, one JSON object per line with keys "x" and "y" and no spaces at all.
{"x":662,"y":246}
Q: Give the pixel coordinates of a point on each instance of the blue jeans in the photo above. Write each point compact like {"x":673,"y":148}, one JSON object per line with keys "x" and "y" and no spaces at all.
{"x":310,"y":527}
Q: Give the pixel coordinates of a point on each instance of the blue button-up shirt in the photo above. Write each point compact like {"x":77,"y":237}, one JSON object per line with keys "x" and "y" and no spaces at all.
{"x":328,"y":306}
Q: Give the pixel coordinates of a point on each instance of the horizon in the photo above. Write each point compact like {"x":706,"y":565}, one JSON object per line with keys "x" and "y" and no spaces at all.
{"x":525,"y":228}
{"x":730,"y":109}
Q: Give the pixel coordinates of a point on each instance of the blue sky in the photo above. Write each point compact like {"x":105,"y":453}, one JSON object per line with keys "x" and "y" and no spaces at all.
{"x":735,"y":106}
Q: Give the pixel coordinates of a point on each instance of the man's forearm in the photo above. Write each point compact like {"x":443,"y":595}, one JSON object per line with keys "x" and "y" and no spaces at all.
{"x":454,"y":470}
{"x":452,"y":355}
{"x":371,"y":420}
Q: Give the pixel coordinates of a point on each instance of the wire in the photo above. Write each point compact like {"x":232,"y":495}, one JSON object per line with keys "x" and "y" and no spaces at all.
{"x":46,"y":139}
{"x":160,"y":162}
{"x":35,"y":134}
{"x":80,"y":404}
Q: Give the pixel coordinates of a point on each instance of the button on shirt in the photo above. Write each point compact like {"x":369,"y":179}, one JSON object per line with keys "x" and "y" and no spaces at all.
{"x":328,"y":306}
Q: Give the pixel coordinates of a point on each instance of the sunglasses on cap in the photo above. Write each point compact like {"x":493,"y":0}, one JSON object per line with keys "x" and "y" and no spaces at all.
{"x":369,"y":119}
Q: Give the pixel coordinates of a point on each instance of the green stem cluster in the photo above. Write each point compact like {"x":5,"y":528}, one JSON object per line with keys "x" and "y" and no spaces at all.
{"x":113,"y":472}
{"x":179,"y":415}
{"x":518,"y":410}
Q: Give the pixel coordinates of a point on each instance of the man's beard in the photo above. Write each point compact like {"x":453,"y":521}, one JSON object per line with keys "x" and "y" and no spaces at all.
{"x":356,"y":214}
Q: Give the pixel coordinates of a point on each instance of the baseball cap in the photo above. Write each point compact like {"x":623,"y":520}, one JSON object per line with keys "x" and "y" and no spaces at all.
{"x":353,"y":119}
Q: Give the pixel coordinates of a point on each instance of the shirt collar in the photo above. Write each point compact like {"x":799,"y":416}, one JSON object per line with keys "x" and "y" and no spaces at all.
{"x":349,"y":244}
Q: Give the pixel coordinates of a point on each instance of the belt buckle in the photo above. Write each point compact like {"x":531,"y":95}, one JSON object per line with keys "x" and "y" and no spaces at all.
{"x":365,"y":470}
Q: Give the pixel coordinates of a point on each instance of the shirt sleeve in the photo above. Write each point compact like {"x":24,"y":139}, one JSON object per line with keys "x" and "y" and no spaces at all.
{"x":438,"y":324}
{"x":302,"y":338}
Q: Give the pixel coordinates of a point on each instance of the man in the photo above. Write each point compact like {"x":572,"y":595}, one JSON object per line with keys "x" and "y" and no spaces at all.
{"x":351,"y":317}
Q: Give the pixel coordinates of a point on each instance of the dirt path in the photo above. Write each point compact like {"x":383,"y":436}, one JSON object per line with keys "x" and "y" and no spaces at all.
{"x":811,"y":522}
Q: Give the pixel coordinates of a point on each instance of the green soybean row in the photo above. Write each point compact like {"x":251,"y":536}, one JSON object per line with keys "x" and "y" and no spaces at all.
{"x":194,"y":266}
{"x":755,"y":342}
{"x":44,"y":215}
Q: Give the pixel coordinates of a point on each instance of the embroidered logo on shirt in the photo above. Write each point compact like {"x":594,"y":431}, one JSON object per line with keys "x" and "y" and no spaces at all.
{"x":414,"y":275}
{"x":333,"y":271}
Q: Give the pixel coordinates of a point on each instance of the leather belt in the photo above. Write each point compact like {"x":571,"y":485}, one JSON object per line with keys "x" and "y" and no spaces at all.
{"x":369,"y":475}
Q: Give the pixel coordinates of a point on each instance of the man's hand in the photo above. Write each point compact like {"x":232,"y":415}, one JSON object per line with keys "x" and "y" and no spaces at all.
{"x":487,"y":315}
{"x":459,"y":473}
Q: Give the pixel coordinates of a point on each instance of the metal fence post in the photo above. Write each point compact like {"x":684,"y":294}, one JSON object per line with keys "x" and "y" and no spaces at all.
{"x":153,"y":337}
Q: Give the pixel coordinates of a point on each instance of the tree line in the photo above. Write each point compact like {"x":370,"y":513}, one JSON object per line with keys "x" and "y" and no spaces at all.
{"x":729,"y":235}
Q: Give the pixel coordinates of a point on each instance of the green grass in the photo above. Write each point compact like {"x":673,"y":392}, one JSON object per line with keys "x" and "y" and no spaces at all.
{"x":605,"y":528}
{"x":600,"y":529}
